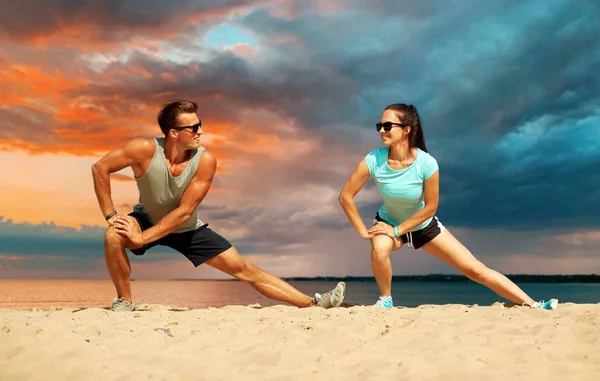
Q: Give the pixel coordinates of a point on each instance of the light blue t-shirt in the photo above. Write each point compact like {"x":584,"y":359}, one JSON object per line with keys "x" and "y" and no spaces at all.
{"x":401,"y":190}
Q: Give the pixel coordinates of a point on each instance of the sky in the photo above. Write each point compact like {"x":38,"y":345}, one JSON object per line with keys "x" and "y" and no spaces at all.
{"x":289,"y":92}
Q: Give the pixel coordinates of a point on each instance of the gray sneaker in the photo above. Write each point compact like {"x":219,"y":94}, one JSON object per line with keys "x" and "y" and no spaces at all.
{"x":332,"y":298}
{"x":120,"y":304}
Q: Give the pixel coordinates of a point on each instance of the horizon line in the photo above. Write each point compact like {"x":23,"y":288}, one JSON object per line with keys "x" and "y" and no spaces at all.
{"x":323,"y":277}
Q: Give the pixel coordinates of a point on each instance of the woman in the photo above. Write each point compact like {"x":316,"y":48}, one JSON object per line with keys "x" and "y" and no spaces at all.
{"x":407,"y":178}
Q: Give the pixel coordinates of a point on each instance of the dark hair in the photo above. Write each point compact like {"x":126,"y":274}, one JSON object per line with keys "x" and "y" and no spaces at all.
{"x":167,"y":116}
{"x":408,"y":115}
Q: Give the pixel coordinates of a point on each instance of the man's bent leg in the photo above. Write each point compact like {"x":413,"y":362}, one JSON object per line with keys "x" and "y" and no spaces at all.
{"x":117,"y":262}
{"x":272,"y":287}
{"x":119,"y":267}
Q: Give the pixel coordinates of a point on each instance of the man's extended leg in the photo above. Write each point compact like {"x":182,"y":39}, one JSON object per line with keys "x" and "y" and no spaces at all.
{"x":232,"y":263}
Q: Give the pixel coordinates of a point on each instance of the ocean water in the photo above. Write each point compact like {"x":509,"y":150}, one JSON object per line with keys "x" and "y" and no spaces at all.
{"x":213,"y":293}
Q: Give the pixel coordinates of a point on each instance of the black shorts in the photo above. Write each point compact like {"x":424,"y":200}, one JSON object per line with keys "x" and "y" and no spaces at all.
{"x":418,"y":238}
{"x":197,"y":245}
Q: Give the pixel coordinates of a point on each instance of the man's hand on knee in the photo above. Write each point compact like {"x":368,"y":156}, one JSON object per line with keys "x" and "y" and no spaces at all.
{"x":128,"y":228}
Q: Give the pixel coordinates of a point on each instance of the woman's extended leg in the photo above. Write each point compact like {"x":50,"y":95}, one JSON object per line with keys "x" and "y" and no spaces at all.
{"x":447,"y":248}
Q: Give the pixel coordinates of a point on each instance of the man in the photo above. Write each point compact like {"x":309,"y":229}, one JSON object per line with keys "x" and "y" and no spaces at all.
{"x":173,"y":175}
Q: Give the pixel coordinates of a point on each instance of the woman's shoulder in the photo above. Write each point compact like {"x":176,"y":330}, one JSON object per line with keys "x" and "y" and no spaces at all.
{"x":375,"y":158}
{"x":427,"y":164}
{"x":425,"y":156}
{"x":379,"y":151}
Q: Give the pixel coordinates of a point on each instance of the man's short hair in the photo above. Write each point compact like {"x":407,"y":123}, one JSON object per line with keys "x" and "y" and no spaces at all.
{"x":170,"y":111}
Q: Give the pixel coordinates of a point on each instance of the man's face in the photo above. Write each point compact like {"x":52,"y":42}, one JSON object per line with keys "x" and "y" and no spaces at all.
{"x":188,"y":130}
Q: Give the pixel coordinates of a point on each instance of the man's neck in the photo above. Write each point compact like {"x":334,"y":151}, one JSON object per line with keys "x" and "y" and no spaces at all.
{"x":175,"y":154}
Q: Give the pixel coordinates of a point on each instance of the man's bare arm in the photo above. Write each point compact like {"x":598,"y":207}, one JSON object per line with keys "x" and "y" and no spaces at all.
{"x":128,"y":155}
{"x":192,"y":197}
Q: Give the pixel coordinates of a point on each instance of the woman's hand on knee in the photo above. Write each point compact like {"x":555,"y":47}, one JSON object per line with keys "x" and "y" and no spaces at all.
{"x":366,"y":235}
{"x":382,"y":228}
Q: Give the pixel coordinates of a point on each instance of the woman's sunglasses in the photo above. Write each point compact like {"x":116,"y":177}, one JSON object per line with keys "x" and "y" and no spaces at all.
{"x":387,"y":126}
{"x":194,"y":128}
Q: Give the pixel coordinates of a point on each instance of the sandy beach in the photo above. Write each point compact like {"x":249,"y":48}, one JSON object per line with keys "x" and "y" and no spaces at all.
{"x":155,"y":342}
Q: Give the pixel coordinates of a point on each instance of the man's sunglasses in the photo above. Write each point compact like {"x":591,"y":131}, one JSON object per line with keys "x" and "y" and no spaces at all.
{"x":194,"y":128}
{"x":387,"y":126}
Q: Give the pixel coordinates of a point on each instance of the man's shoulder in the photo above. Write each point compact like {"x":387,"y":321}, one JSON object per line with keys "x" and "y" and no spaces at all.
{"x":207,"y":158}
{"x":140,"y":146}
{"x":206,"y":154}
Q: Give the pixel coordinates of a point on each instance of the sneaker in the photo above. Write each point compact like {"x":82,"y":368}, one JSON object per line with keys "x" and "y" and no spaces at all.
{"x":385,"y":302}
{"x":120,"y":304}
{"x":332,"y":298}
{"x":551,"y":304}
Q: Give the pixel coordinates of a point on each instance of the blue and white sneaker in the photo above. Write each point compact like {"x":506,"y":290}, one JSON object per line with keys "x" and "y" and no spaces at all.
{"x":551,"y":304}
{"x":385,"y":302}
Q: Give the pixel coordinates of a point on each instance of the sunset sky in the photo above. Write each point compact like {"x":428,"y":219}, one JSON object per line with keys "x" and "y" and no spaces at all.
{"x":289,"y":93}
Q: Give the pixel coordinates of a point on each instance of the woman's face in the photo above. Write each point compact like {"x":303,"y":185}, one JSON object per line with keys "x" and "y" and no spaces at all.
{"x":396,"y":130}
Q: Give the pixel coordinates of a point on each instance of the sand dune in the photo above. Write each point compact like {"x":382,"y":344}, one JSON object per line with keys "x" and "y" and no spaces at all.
{"x":451,"y":342}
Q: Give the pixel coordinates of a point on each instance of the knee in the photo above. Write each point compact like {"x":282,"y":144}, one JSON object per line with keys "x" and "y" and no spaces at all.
{"x":477,"y":273}
{"x":111,"y":237}
{"x":380,"y":252}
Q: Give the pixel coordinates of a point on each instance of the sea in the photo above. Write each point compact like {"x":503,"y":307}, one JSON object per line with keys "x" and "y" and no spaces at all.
{"x":193,"y":294}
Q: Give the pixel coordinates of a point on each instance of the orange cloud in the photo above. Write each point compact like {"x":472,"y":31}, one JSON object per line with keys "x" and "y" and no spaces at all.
{"x":76,"y":118}
{"x":168,"y":77}
{"x":72,"y":123}
{"x":81,"y":121}
{"x":87,"y":113}
{"x":22,"y":80}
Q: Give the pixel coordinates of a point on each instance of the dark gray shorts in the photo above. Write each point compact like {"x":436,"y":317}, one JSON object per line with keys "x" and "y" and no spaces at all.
{"x":420,"y":237}
{"x":197,"y":245}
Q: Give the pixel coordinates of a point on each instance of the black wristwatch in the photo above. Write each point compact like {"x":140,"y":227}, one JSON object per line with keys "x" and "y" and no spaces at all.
{"x":110,"y":215}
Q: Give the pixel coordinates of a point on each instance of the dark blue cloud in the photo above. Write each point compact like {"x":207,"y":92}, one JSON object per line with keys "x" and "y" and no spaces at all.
{"x":508,"y":94}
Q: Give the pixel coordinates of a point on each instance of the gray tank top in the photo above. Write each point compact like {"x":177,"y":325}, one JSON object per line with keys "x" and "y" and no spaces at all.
{"x":160,"y":192}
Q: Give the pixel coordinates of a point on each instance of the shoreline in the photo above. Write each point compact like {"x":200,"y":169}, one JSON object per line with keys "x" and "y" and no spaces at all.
{"x":441,"y":278}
